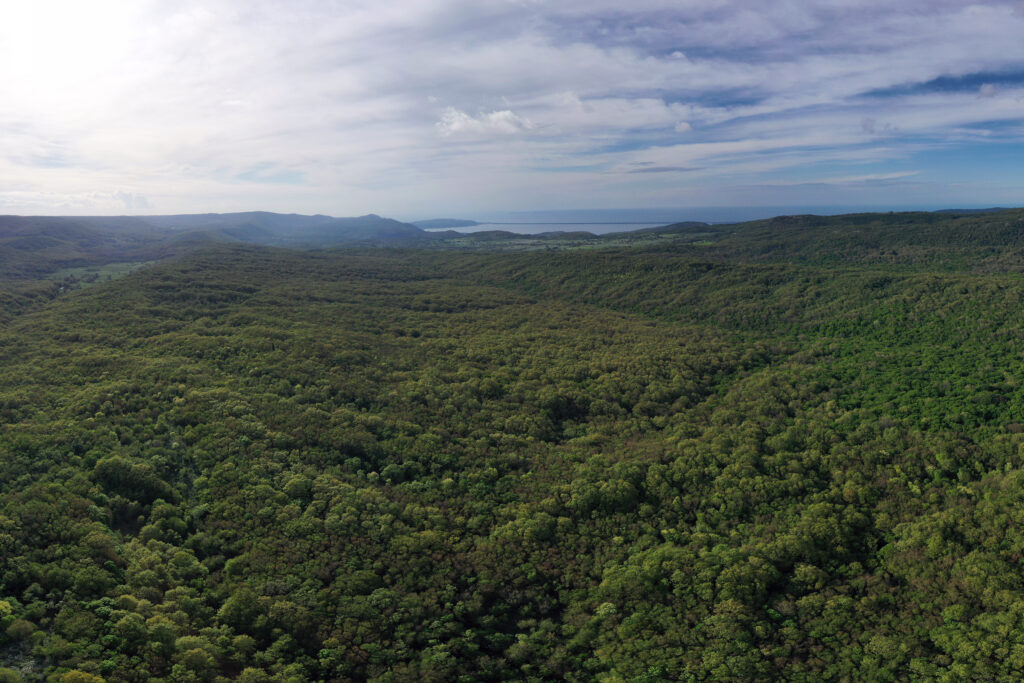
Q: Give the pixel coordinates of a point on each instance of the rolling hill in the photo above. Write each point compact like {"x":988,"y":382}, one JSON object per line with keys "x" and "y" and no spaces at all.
{"x":781,"y":450}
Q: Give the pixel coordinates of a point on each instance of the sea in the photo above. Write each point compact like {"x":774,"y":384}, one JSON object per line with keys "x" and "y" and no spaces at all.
{"x":603,"y":221}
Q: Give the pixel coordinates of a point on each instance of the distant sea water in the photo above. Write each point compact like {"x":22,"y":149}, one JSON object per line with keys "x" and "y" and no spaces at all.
{"x":533,"y":228}
{"x":603,"y":221}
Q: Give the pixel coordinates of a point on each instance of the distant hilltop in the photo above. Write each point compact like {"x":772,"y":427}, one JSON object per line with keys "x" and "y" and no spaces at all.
{"x":994,"y":209}
{"x":32,"y":244}
{"x":263,"y":227}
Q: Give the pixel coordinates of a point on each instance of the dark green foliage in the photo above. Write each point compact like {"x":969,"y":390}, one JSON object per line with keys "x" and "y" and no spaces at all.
{"x":621,"y":465}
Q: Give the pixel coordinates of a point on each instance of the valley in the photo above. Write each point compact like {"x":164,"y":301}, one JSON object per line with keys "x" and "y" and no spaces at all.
{"x":788,"y":449}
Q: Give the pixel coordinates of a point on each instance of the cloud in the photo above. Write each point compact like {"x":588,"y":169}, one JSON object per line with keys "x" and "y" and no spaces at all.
{"x":131,"y":201}
{"x":847,"y":180}
{"x":271,"y":174}
{"x":504,"y":122}
{"x":424,"y":105}
{"x":870,"y":126}
{"x":568,"y":112}
{"x":663,"y":169}
{"x":85,"y":203}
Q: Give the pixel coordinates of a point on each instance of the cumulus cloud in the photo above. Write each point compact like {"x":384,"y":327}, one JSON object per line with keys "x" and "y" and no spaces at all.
{"x":131,"y":201}
{"x":504,"y":122}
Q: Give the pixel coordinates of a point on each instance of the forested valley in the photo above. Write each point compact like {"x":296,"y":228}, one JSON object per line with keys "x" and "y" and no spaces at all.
{"x":785,"y":450}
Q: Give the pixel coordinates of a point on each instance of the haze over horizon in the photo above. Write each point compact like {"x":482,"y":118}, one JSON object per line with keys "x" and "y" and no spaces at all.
{"x":429,"y":108}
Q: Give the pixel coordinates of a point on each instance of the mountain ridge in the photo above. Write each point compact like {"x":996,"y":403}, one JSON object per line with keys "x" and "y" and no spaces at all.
{"x":30,"y":245}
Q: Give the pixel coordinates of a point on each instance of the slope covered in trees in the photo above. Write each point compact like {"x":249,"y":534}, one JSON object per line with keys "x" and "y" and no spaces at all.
{"x":31,"y":246}
{"x":723,"y":461}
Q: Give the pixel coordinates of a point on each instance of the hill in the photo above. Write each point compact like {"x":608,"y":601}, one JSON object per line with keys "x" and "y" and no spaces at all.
{"x":259,"y":227}
{"x":33,"y":245}
{"x":911,"y":238}
{"x":764,"y":451}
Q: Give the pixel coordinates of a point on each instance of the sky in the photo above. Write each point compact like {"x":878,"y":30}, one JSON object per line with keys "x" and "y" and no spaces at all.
{"x":463,"y":108}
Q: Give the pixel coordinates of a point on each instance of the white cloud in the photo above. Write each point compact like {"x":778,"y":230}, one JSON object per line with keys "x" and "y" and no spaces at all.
{"x":504,"y":122}
{"x":568,"y":112}
{"x":420,"y":103}
{"x":846,"y":180}
{"x":85,"y":203}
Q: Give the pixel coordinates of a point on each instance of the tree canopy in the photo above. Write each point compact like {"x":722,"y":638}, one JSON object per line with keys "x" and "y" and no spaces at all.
{"x":625,"y":464}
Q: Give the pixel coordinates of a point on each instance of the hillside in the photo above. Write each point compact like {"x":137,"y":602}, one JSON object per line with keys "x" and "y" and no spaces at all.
{"x":260,"y":227}
{"x":764,"y":451}
{"x":951,"y":240}
{"x":34,"y":245}
{"x":913,"y":238}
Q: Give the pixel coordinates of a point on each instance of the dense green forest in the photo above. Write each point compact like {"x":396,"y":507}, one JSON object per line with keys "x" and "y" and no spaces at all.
{"x":784,"y":450}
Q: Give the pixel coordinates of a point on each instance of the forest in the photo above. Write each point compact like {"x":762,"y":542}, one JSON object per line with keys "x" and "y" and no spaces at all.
{"x":782,"y":450}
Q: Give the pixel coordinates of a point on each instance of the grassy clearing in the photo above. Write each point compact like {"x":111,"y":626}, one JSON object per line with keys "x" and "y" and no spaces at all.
{"x":87,"y":276}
